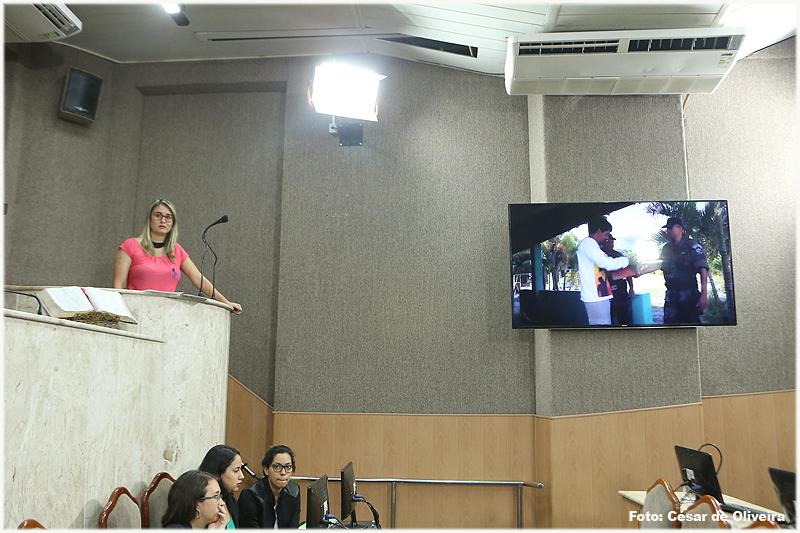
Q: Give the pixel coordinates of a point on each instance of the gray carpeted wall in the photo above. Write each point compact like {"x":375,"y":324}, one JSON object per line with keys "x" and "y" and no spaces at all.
{"x":375,"y":278}
{"x":742,"y":141}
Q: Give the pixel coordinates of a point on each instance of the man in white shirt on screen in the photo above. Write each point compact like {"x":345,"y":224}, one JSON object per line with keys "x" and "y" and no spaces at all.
{"x":593,"y":268}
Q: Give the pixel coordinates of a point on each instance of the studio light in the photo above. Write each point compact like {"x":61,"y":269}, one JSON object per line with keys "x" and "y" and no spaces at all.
{"x":176,"y":12}
{"x":345,"y":91}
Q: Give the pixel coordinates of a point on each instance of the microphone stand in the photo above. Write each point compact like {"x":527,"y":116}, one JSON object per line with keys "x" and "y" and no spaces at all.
{"x":203,"y":261}
{"x":202,"y":267}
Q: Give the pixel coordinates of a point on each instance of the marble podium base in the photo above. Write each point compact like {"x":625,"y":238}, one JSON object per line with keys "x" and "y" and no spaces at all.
{"x":89,"y":408}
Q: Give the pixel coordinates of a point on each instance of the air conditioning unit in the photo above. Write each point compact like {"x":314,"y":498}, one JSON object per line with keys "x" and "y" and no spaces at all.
{"x":679,"y":61}
{"x":27,"y":23}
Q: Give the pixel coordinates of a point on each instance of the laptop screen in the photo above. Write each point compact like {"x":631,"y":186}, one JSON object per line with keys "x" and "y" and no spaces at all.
{"x":784,"y":483}
{"x":697,"y":468}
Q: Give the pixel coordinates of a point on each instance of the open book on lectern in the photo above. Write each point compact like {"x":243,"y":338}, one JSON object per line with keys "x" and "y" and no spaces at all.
{"x":86,"y":303}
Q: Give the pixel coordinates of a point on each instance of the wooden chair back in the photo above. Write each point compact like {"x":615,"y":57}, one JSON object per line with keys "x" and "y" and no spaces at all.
{"x":154,"y":500}
{"x":30,"y":523}
{"x":762,"y":521}
{"x":121,"y":511}
{"x":705,"y":513}
{"x":660,"y":501}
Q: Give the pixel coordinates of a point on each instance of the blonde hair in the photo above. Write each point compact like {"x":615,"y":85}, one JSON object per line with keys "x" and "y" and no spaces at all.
{"x":172,"y":237}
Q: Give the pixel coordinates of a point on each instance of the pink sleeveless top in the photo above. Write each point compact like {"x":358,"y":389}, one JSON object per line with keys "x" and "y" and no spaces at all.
{"x":149,"y":272}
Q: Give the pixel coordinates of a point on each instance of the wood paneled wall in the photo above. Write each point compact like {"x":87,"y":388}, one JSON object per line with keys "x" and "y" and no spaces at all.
{"x":248,"y":427}
{"x":591,"y":457}
{"x":583,"y":460}
{"x":754,"y":432}
{"x":448,"y":447}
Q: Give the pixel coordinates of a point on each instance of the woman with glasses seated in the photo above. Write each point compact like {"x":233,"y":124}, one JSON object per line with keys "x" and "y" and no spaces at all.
{"x":273,"y":501}
{"x":225,"y":462}
{"x":155,"y":260}
{"x":194,"y":502}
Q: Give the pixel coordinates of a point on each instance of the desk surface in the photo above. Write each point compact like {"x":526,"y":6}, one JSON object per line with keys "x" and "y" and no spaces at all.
{"x":637,"y":497}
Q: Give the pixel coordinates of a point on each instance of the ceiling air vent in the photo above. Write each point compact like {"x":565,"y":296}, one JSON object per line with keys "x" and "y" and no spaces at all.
{"x":39,"y":22}
{"x":725,"y":42}
{"x":671,"y":61}
{"x":58,"y":17}
{"x":430,"y":44}
{"x":569,"y":47}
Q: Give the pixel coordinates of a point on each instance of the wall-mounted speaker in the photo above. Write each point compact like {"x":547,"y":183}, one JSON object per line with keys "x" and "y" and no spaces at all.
{"x":80,"y":97}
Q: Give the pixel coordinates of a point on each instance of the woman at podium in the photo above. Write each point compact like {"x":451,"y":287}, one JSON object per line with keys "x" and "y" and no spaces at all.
{"x":154,"y":260}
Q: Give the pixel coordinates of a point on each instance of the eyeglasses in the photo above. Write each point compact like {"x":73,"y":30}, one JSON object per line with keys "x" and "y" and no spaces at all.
{"x":158,"y":215}
{"x":277,"y":467}
{"x":212,"y":497}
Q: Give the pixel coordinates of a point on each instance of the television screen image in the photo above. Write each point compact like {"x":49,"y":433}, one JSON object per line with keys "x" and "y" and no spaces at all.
{"x":621,"y":264}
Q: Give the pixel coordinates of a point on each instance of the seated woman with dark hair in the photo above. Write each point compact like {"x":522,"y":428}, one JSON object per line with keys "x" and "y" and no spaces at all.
{"x":194,"y":502}
{"x":273,"y":501}
{"x":225,"y":462}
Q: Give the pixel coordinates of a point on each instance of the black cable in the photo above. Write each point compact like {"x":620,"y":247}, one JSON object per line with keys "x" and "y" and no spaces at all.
{"x":718,"y":451}
{"x":336,"y":522}
{"x":375,"y":516}
{"x":202,"y":268}
{"x":34,"y":296}
{"x":213,"y":288}
{"x":692,"y":490}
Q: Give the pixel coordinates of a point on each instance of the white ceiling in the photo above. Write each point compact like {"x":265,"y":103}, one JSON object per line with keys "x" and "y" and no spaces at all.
{"x":145,"y":33}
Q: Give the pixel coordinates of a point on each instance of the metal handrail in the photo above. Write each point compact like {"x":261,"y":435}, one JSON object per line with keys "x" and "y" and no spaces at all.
{"x":394,"y":482}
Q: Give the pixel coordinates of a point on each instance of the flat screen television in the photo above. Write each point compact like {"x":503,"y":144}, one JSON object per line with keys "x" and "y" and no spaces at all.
{"x":550,"y":290}
{"x":317,"y":503}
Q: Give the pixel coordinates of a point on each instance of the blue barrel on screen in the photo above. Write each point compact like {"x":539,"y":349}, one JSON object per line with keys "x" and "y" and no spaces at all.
{"x":642,"y":309}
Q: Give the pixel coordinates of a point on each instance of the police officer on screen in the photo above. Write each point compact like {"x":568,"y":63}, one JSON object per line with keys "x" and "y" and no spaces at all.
{"x":681,"y":260}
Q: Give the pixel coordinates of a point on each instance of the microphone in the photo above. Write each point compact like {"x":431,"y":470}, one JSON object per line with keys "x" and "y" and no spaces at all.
{"x":247,"y":469}
{"x":222,"y":219}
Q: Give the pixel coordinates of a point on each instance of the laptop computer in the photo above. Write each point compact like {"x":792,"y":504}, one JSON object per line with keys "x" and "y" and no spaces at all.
{"x":784,"y":483}
{"x":698,"y":472}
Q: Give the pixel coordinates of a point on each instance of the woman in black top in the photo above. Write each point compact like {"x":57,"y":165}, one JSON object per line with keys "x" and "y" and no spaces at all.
{"x":225,"y":462}
{"x":194,"y":502}
{"x":273,"y":498}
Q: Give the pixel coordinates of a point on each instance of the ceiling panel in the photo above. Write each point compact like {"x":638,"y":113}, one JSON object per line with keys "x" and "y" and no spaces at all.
{"x":475,"y":64}
{"x":641,"y":9}
{"x":476,"y":15}
{"x":388,"y":18}
{"x":457,"y":36}
{"x":295,"y":47}
{"x":631,"y":22}
{"x":276,"y":17}
{"x":144,"y":32}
